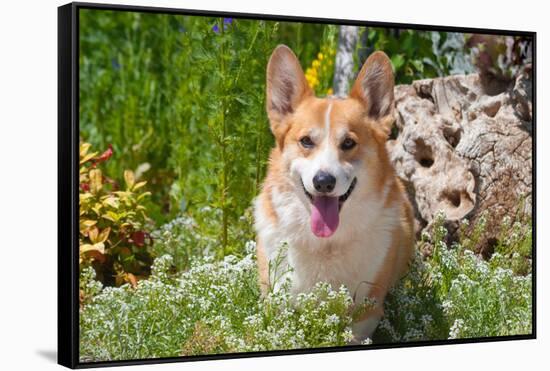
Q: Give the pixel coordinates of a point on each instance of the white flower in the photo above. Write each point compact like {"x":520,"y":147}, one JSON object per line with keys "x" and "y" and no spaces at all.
{"x":333,"y":319}
{"x":250,"y":247}
{"x":367,"y":341}
{"x":457,"y":326}
{"x":348,"y":335}
{"x":426,"y":319}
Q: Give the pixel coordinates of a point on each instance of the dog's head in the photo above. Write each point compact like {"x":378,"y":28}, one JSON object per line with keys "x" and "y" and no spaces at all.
{"x":329,"y":146}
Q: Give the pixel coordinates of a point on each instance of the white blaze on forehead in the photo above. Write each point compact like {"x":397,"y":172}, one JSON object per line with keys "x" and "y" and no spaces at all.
{"x":327,"y":120}
{"x":327,"y":158}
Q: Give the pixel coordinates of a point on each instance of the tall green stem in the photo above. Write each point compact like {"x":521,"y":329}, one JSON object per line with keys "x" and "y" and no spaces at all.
{"x":223,"y":142}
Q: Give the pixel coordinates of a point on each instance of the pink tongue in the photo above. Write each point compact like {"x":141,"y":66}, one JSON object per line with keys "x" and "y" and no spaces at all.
{"x":324,"y":216}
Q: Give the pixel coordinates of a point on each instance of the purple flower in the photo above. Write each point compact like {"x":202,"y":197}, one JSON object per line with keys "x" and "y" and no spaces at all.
{"x":226,"y":23}
{"x":115,"y":64}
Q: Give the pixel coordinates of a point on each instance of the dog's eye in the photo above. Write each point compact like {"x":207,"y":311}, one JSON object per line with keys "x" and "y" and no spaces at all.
{"x":306,"y":142}
{"x":348,"y":144}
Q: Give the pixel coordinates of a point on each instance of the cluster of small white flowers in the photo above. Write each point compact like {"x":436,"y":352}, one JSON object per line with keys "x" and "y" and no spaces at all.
{"x":413,"y":334}
{"x":88,"y":283}
{"x":469,"y":293}
{"x":454,"y":332}
{"x":387,"y":327}
{"x":332,"y":319}
{"x":161,"y":266}
{"x":347,"y":335}
{"x":455,"y":286}
{"x":367,"y":341}
{"x":250,"y":247}
{"x":425,"y":236}
{"x":182,"y":238}
{"x":448,"y":258}
{"x":440,"y":215}
{"x":482,"y":220}
{"x":160,"y":314}
{"x":426,"y":319}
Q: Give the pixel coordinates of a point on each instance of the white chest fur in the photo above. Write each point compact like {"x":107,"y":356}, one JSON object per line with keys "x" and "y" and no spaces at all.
{"x":353,"y":256}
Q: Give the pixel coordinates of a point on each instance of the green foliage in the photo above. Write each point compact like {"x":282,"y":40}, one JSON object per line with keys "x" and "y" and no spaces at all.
{"x":193,"y":235}
{"x":215,"y":307}
{"x":406,"y":49}
{"x":112,"y":222}
{"x":515,"y":246}
{"x":183,"y":97}
{"x":415,"y":54}
{"x":182,"y":239}
{"x":457,"y":294}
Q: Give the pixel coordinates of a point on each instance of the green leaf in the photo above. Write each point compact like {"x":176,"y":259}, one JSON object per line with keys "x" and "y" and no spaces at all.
{"x":143,"y":195}
{"x":87,"y":157}
{"x":93,"y":233}
{"x":139,"y":185}
{"x":111,"y":201}
{"x":89,"y":223}
{"x":104,"y":235}
{"x":129,"y":178}
{"x":108,"y":216}
{"x":96,"y":180}
{"x":397,"y":61}
{"x":100,"y":247}
{"x":418,"y":65}
{"x":84,"y":147}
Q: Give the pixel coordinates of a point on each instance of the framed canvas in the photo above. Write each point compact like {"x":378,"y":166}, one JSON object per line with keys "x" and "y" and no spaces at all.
{"x":243,"y":185}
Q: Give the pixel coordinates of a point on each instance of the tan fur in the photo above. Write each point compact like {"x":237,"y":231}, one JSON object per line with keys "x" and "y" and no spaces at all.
{"x":268,"y":206}
{"x":398,"y":257}
{"x":263,"y":268}
{"x":366,"y":247}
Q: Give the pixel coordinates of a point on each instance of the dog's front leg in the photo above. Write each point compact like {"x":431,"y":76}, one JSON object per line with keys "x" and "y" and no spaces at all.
{"x":263,"y":267}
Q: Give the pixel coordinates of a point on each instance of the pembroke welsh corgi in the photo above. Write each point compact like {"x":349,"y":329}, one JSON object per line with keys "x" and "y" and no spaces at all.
{"x":331,"y":194}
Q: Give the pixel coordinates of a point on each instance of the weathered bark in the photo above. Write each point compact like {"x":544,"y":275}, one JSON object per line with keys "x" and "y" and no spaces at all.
{"x":463,"y":151}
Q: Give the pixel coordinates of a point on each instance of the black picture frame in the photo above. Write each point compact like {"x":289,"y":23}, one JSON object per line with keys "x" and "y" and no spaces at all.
{"x":68,"y":190}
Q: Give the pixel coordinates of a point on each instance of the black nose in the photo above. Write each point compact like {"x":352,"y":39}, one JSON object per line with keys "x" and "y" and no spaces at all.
{"x":324,"y":182}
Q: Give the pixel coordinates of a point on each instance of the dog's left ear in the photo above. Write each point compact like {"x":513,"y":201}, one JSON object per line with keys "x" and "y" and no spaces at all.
{"x":374,"y":88}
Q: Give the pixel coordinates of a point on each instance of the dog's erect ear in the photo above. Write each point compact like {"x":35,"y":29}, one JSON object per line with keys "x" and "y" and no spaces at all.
{"x":286,"y":84}
{"x":374,"y":86}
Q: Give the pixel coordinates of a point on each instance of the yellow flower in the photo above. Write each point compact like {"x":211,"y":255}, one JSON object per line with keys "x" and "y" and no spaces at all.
{"x":330,"y":91}
{"x":312,"y":81}
{"x":320,"y":68}
{"x":311,"y":72}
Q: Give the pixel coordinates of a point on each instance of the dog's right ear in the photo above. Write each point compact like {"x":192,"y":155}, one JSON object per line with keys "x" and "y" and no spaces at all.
{"x":286,"y":86}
